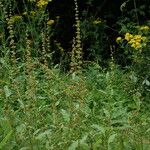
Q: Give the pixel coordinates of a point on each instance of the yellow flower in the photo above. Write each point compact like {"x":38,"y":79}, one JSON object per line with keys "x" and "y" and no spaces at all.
{"x":119,"y":39}
{"x":133,"y":45}
{"x":14,"y":19}
{"x":50,"y":22}
{"x":131,"y":41}
{"x":96,"y":22}
{"x":136,"y":45}
{"x":32,"y":13}
{"x":144,"y":28}
{"x":136,"y":41}
{"x":128,"y":36}
{"x":24,"y":13}
{"x":137,"y":37}
{"x":42,"y":3}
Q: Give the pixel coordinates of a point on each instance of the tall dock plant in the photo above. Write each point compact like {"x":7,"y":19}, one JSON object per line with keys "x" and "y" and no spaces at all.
{"x":76,"y":55}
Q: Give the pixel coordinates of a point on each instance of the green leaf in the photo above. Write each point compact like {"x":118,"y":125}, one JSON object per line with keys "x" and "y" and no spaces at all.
{"x":148,"y":130}
{"x":74,"y":145}
{"x":146,"y":82}
{"x":7,"y":137}
{"x":43,"y":135}
{"x":83,"y":143}
{"x":123,"y":5}
{"x":112,"y":138}
{"x":66,"y":115}
{"x":5,"y":125}
{"x":97,"y":143}
{"x":21,"y":103}
{"x":84,"y":138}
{"x":98,"y":128}
{"x":107,"y":113}
{"x":7,"y":91}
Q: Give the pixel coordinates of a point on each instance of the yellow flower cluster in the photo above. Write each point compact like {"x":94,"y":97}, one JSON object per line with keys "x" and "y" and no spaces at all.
{"x":128,"y":36}
{"x":98,"y":21}
{"x":42,"y":3}
{"x":144,"y":28}
{"x":33,"y":13}
{"x":50,"y":22}
{"x":119,"y":39}
{"x":14,"y":19}
{"x":136,"y":41}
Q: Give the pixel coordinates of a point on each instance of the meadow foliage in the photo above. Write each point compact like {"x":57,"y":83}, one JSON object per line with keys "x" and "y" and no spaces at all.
{"x":94,"y":95}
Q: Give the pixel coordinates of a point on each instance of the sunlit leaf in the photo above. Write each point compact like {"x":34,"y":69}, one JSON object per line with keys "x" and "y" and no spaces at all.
{"x":66,"y":115}
{"x":7,"y":137}
{"x":112,"y":138}
{"x":7,"y":91}
{"x":74,"y":145}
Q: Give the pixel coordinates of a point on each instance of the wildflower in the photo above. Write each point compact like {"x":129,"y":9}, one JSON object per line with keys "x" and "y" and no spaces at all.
{"x":131,"y":41}
{"x":135,"y":41}
{"x":128,"y":36}
{"x":57,"y":17}
{"x":14,"y":19}
{"x":136,"y":45}
{"x":50,"y":22}
{"x":96,"y":22}
{"x":119,"y":39}
{"x":137,"y":37}
{"x":24,"y":13}
{"x":32,"y":13}
{"x":144,"y":28}
{"x":42,"y":3}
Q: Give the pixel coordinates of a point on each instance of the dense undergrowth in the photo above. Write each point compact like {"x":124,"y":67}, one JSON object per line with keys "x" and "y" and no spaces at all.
{"x":50,"y":110}
{"x":89,"y":107}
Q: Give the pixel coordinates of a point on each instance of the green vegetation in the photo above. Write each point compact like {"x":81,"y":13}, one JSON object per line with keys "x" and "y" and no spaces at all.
{"x":96,"y":104}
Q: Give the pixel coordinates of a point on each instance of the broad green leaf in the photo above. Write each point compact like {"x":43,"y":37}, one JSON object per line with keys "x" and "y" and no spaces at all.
{"x":106,"y":112}
{"x":83,"y":143}
{"x":112,"y":138}
{"x":98,"y":128}
{"x":7,"y":91}
{"x":123,"y":5}
{"x":146,"y":82}
{"x":7,"y":137}
{"x":5,"y":125}
{"x":74,"y":145}
{"x":43,"y":135}
{"x":97,"y":143}
{"x":21,"y":103}
{"x":84,"y":138}
{"x":21,"y":128}
{"x":66,"y":115}
{"x":148,"y":130}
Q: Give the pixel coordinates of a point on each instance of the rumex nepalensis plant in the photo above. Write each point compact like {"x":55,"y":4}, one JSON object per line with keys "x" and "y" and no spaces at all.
{"x":76,"y":54}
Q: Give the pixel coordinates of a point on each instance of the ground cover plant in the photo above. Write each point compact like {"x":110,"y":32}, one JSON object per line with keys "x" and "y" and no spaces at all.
{"x":94,"y":95}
